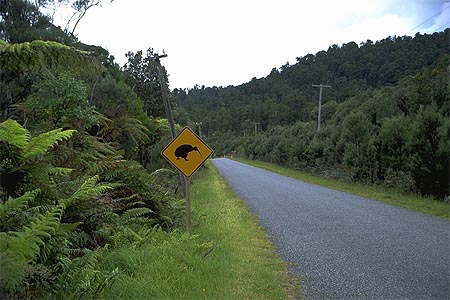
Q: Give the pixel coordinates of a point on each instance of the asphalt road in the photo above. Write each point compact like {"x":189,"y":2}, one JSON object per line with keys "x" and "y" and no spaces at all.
{"x":344,"y":246}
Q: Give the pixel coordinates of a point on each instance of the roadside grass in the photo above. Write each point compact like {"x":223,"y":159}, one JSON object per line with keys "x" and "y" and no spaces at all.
{"x":426,"y":205}
{"x":227,"y":256}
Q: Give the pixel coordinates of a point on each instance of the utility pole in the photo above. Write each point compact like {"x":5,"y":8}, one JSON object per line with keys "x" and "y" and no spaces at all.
{"x":199,"y":124}
{"x":320,"y":102}
{"x":162,"y":83}
{"x":256,"y":127}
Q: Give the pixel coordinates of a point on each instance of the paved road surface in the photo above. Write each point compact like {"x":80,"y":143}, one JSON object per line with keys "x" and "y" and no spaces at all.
{"x":345,"y":246}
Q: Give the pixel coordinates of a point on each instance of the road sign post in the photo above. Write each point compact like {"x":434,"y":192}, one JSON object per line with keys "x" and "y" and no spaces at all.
{"x":187,"y":153}
{"x":188,"y":204}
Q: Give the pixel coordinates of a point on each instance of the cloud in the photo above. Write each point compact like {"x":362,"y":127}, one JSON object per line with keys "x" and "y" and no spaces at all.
{"x":229,"y":42}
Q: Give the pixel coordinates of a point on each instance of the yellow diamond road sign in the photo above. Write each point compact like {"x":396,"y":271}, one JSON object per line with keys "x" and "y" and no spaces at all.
{"x":187,"y":152}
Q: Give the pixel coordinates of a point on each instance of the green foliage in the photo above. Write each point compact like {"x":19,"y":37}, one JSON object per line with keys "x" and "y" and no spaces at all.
{"x":87,"y":191}
{"x":21,"y":248}
{"x":383,"y":120}
{"x":429,"y":162}
{"x":82,"y":278}
{"x":62,"y":100}
{"x":12,"y":206}
{"x":24,"y":155}
{"x":40,"y":55}
{"x":23,"y":64}
{"x":135,"y":213}
{"x":141,"y":73}
{"x":21,"y":21}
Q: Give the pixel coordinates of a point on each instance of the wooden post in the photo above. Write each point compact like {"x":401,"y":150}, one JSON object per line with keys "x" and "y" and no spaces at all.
{"x":162,"y":83}
{"x":188,"y":205}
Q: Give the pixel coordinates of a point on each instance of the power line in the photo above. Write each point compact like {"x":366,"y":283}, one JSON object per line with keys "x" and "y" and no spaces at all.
{"x":429,"y":19}
{"x":443,"y":26}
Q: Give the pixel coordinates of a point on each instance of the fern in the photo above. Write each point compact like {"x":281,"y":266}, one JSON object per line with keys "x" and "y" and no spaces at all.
{"x":88,"y":190}
{"x":23,"y":151}
{"x":11,"y":206}
{"x":39,"y":144}
{"x":136,"y":212}
{"x":40,"y":55}
{"x":13,"y":133}
{"x":19,"y":249}
{"x":59,"y":171}
{"x":81,"y":277}
{"x":12,"y":273}
{"x":35,"y":234}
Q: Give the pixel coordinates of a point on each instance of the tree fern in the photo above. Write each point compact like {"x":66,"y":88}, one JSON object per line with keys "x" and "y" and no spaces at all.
{"x":38,"y":55}
{"x":14,"y":134}
{"x":23,"y":160}
{"x":39,"y":144}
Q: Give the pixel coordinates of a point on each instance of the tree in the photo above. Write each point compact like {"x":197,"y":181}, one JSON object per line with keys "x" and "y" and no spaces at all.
{"x":60,"y":100}
{"x":23,"y":64}
{"x":358,"y":144}
{"x":78,"y":7}
{"x":21,"y":21}
{"x":141,"y":74}
{"x":430,"y":159}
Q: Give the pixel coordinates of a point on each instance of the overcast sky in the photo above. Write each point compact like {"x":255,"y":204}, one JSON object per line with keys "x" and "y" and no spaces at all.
{"x":228,"y":42}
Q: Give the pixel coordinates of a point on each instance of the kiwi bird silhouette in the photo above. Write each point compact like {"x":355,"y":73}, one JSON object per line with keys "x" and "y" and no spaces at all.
{"x":183,"y":151}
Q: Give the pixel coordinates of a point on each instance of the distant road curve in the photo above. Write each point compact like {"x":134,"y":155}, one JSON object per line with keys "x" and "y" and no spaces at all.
{"x":345,"y":246}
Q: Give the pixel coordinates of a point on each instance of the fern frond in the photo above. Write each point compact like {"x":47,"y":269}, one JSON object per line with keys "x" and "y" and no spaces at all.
{"x":100,"y":148}
{"x":136,"y":212}
{"x":107,"y":164}
{"x":39,"y":144}
{"x":41,"y":209}
{"x":13,"y":133}
{"x":130,"y":205}
{"x":24,"y":246}
{"x":59,"y":171}
{"x":88,"y":190}
{"x":12,"y":274}
{"x":85,"y":279}
{"x":135,"y":130}
{"x":11,"y":206}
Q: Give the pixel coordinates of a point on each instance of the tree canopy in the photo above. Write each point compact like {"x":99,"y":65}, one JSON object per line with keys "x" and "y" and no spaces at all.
{"x":373,"y":116}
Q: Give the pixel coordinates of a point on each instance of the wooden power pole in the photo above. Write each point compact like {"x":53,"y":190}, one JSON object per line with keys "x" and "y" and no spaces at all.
{"x":162,"y":83}
{"x":320,"y":102}
{"x":256,"y":127}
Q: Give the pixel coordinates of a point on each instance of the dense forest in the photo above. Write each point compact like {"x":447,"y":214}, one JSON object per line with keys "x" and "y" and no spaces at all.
{"x":385,"y":119}
{"x":79,"y":156}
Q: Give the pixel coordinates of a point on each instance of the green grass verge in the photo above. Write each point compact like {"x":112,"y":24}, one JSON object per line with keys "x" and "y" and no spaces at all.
{"x":227,"y":256}
{"x":410,"y":201}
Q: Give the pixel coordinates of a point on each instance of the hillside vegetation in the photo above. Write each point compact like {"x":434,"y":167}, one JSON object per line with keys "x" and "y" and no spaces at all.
{"x":80,"y":166}
{"x":385,"y":120}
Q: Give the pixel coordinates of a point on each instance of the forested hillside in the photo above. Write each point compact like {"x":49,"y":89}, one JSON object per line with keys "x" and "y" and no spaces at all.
{"x":385,"y":119}
{"x":79,"y":165}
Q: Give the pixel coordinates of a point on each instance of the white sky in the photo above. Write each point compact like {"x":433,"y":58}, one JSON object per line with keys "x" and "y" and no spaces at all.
{"x":228,"y":42}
